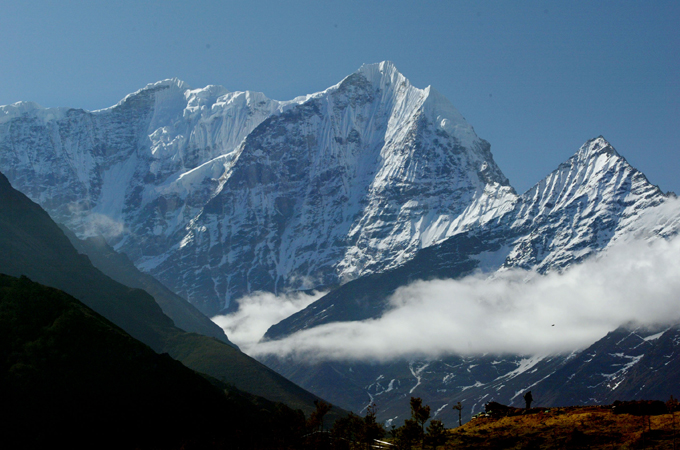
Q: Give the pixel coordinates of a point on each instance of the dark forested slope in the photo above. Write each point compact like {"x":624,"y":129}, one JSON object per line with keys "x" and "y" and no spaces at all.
{"x":69,"y":375}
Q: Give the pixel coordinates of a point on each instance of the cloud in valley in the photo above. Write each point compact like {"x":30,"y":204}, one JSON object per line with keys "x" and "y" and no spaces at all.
{"x":258,"y":312}
{"x":96,"y":224}
{"x":102,"y":225}
{"x":516,"y":311}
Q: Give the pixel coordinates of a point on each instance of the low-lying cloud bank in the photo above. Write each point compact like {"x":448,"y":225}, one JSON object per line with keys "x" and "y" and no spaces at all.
{"x":258,"y":312}
{"x":515,"y":312}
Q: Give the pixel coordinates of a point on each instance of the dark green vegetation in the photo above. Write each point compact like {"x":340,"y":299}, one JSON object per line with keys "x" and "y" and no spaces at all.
{"x":32,"y":244}
{"x":354,"y":432}
{"x":68,"y":376}
{"x":414,"y":433}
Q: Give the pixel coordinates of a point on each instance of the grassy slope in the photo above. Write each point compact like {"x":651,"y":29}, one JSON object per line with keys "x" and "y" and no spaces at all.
{"x":590,"y":427}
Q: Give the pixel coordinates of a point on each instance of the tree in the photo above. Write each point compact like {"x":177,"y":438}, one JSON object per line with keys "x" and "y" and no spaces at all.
{"x":347,"y":431}
{"x":315,"y":422}
{"x":409,"y":434}
{"x":436,"y":433}
{"x":459,"y":407}
{"x":419,"y":413}
{"x":528,"y":398}
{"x":414,"y":428}
{"x":352,"y":429}
{"x":371,"y":430}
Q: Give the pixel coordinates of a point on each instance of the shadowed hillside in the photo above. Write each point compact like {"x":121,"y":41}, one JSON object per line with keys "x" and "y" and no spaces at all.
{"x":32,"y":244}
{"x":119,"y":267}
{"x":69,"y":375}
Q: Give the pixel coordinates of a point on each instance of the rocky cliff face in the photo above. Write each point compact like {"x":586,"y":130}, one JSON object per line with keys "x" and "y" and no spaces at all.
{"x":219,"y":194}
{"x":119,"y":171}
{"x":352,"y":181}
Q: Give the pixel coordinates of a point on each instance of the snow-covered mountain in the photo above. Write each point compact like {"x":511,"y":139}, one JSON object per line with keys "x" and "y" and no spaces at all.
{"x":587,"y":204}
{"x":591,"y":202}
{"x":364,"y":187}
{"x":220,"y":193}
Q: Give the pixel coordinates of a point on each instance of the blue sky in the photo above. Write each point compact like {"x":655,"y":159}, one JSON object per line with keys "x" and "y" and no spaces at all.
{"x":535,"y":79}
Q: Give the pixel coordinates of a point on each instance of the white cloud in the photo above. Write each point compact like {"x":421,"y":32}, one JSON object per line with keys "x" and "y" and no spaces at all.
{"x":512,"y":313}
{"x":96,"y":224}
{"x":258,"y":312}
{"x":89,"y":223}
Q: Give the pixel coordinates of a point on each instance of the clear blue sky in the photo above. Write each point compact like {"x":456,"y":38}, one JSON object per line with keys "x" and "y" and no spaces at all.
{"x":536,"y":79}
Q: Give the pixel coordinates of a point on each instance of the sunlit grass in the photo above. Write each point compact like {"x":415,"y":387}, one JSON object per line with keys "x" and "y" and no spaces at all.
{"x":574,"y":427}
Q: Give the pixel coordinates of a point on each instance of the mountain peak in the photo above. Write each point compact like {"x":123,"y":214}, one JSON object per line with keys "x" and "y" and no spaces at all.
{"x":382,"y":68}
{"x":168,"y":82}
{"x":592,"y":198}
{"x":439,"y":110}
{"x":9,"y":112}
{"x":174,"y":84}
{"x":596,"y":147}
{"x":337,"y":184}
{"x":382,"y":74}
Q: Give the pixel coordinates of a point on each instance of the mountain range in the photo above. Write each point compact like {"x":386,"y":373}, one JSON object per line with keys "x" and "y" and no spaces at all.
{"x":359,"y":190}
{"x":590,"y":203}
{"x":317,"y":191}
